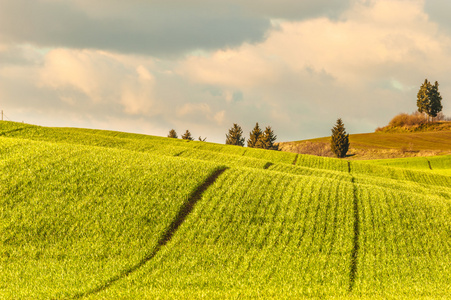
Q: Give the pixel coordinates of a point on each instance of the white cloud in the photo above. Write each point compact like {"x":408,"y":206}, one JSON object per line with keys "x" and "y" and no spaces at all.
{"x":366,"y":66}
{"x":219,"y":117}
{"x":104,"y":78}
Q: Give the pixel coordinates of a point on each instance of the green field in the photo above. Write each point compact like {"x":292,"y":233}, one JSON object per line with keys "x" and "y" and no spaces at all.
{"x":90,"y":214}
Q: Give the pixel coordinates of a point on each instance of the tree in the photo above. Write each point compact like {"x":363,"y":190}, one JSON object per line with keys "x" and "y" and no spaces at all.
{"x":429,"y":100}
{"x":187,"y":136}
{"x":254,"y":136}
{"x":423,"y":97}
{"x":235,"y":136}
{"x":435,"y":101}
{"x":340,"y":140}
{"x":172,"y":134}
{"x":267,"y":139}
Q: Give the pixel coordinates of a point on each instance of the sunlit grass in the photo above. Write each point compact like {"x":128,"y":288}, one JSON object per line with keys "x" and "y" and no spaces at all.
{"x":79,"y":207}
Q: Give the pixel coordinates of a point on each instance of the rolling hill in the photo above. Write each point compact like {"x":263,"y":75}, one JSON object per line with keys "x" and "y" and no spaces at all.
{"x":91,"y":214}
{"x":434,"y":140}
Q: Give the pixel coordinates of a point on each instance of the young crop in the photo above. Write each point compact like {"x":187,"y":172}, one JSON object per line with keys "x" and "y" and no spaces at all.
{"x":417,"y":163}
{"x":71,"y":217}
{"x":271,"y":155}
{"x":318,"y":162}
{"x":308,"y":171}
{"x":225,"y":159}
{"x":108,"y":215}
{"x":417,"y":176}
{"x":404,"y":244}
{"x":255,"y":233}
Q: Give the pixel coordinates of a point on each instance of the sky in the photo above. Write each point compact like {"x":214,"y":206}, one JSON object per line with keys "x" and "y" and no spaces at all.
{"x":149,"y":66}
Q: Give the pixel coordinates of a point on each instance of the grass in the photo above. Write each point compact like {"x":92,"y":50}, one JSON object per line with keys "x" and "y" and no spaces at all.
{"x":387,"y":145}
{"x":405,"y":244}
{"x":276,"y":234}
{"x":93,"y":214}
{"x":73,"y":216}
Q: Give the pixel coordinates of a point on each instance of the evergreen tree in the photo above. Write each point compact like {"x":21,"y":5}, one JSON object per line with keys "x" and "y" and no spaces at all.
{"x":187,"y":136}
{"x":235,"y":136}
{"x":172,"y":134}
{"x":429,"y":100}
{"x":340,"y":140}
{"x":254,"y":136}
{"x":267,"y":139}
{"x":423,"y":97}
{"x":435,"y":101}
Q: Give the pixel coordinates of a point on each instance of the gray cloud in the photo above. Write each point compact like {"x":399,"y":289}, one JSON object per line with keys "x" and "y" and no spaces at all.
{"x":438,"y":11}
{"x":295,"y":9}
{"x":157,"y":28}
{"x":145,"y":30}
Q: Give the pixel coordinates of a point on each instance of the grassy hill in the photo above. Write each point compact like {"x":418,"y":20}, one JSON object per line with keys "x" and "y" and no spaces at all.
{"x":89,"y":214}
{"x":390,"y":143}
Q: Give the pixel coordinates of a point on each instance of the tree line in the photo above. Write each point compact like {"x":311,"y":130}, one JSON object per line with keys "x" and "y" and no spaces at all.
{"x":428,"y":103}
{"x":257,"y":138}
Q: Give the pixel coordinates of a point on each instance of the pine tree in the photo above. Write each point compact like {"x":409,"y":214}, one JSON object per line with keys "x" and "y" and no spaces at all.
{"x":235,"y":136}
{"x":340,"y":140}
{"x":172,"y":134}
{"x":429,"y":100}
{"x":435,"y":101}
{"x":423,"y":97}
{"x":187,"y":136}
{"x":254,"y":136}
{"x":267,"y":139}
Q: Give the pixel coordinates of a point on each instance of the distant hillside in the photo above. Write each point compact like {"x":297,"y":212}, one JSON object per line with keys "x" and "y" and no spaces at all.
{"x":388,"y":142}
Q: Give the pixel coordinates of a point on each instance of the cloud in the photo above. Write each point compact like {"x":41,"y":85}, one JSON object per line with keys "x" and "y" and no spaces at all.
{"x":364,"y":67}
{"x":199,"y":112}
{"x":103,"y":78}
{"x":158,"y":28}
{"x":438,"y":12}
{"x":140,"y":27}
{"x":298,"y":74}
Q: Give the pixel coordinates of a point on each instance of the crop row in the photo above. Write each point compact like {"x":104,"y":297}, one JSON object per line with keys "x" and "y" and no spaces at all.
{"x":307,"y":171}
{"x":73,"y":216}
{"x":403,"y":185}
{"x":416,"y":163}
{"x":318,"y":162}
{"x":418,"y":176}
{"x":255,"y":233}
{"x":236,"y":156}
{"x":405,"y":244}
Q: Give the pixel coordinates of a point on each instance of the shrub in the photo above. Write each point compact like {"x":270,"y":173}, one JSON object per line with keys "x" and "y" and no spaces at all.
{"x":406,"y":120}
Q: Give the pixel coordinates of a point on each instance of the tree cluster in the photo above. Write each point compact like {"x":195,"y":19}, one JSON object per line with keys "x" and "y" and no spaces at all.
{"x":186,"y":136}
{"x":429,"y":100}
{"x":257,"y":139}
{"x":262,"y":139}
